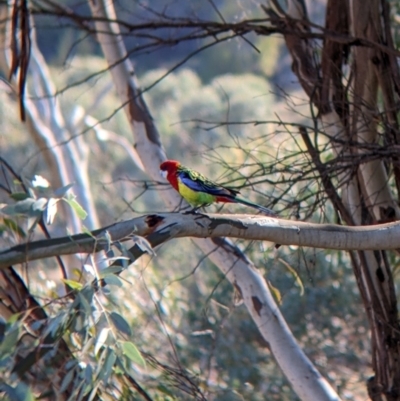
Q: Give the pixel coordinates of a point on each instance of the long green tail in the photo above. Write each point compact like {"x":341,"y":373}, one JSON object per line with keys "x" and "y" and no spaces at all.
{"x":263,"y":209}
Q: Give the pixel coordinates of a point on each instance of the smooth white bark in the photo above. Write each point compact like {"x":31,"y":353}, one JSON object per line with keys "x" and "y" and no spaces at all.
{"x":65,"y":152}
{"x":364,"y":97}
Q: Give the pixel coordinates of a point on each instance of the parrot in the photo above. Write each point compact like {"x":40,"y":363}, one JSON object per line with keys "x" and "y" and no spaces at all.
{"x":199,"y":191}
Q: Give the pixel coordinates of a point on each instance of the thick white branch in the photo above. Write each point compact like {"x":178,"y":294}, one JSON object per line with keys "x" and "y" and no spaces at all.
{"x":176,"y":225}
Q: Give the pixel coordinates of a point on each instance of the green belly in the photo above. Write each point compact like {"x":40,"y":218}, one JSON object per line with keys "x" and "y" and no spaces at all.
{"x":195,"y":198}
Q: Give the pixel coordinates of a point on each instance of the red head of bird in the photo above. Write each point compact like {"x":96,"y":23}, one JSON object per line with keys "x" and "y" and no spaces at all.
{"x":168,"y":170}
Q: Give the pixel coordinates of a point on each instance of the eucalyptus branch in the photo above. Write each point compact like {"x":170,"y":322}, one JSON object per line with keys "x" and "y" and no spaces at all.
{"x":160,"y":228}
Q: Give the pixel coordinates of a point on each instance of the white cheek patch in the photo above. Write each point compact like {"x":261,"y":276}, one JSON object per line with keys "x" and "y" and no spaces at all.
{"x":164,"y":173}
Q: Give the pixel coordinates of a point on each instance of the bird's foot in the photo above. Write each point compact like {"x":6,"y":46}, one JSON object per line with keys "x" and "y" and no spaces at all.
{"x":195,"y":210}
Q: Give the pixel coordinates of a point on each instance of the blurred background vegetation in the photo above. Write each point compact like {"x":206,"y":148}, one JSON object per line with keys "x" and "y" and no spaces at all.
{"x":181,"y":307}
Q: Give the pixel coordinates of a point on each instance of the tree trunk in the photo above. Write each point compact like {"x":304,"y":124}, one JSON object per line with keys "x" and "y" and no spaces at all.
{"x":349,"y":114}
{"x":66,"y":153}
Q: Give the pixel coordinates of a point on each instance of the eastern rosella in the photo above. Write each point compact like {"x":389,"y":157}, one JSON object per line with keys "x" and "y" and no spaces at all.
{"x":199,"y":191}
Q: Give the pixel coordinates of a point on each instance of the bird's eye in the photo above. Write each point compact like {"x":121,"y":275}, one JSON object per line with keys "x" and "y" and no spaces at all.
{"x":163,"y":173}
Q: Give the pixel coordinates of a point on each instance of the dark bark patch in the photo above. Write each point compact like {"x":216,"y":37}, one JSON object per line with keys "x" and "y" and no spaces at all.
{"x":216,"y":222}
{"x":257,"y":304}
{"x":387,"y":214}
{"x":238,"y":289}
{"x":153,"y":220}
{"x":222,"y":243}
{"x":139,"y":112}
{"x":380,"y":275}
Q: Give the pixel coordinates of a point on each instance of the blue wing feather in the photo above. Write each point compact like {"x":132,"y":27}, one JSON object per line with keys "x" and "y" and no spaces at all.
{"x":205,"y":185}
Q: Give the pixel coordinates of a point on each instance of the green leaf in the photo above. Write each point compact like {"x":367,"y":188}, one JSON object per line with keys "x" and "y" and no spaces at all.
{"x":120,"y":366}
{"x":24,"y":392}
{"x":111,"y":270}
{"x":67,"y":380}
{"x":60,"y":192}
{"x":78,"y":322}
{"x":275,"y":293}
{"x":120,"y":323}
{"x":101,"y":339}
{"x":113,"y":280}
{"x":38,"y":206}
{"x":85,"y":230}
{"x":11,"y":337}
{"x":106,"y":369}
{"x":28,"y":207}
{"x":130,"y":350}
{"x":108,"y":238}
{"x":70,"y":364}
{"x":56,"y":326}
{"x":110,"y":254}
{"x":10,"y":391}
{"x":74,"y":285}
{"x":94,"y":394}
{"x":88,"y":374}
{"x":143,"y":244}
{"x":85,"y":305}
{"x":21,"y":207}
{"x":13,"y":318}
{"x":76,"y":207}
{"x":51,"y":210}
{"x":165,"y":390}
{"x":295,"y":275}
{"x":14,"y":227}
{"x":88,"y":293}
{"x":20,"y":393}
{"x":19,"y":196}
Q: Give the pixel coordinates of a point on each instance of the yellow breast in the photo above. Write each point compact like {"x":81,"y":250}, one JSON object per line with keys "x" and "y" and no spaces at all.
{"x":195,"y":198}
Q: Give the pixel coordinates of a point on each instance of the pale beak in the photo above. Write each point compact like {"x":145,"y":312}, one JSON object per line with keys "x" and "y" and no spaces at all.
{"x":163,"y":173}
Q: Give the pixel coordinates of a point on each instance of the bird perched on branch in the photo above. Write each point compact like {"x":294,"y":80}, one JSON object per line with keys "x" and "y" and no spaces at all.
{"x":199,"y":191}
